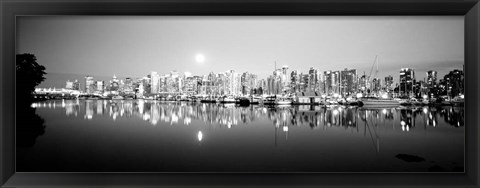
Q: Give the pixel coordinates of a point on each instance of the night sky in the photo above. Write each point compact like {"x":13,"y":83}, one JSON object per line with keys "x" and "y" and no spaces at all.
{"x":71,"y":47}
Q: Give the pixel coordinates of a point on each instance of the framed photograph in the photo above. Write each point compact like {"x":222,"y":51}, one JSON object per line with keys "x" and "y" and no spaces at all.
{"x":253,"y":93}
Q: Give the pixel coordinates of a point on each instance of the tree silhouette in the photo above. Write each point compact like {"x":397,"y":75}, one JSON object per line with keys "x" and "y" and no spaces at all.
{"x":29,"y":74}
{"x":28,"y":124}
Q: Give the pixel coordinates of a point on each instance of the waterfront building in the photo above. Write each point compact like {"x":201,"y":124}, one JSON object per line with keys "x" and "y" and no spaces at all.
{"x":89,"y":84}
{"x":431,"y":78}
{"x":407,"y":81}
{"x":348,"y":81}
{"x":285,"y":79}
{"x":261,"y":86}
{"x":274,"y":85}
{"x":76,"y":85}
{"x":69,"y":85}
{"x":453,"y":83}
{"x":332,"y":82}
{"x":421,"y":88}
{"x":362,"y":83}
{"x":389,"y":83}
{"x":128,"y":86}
{"x":376,"y":85}
{"x":304,"y":82}
{"x":155,"y":83}
{"x":114,"y":84}
{"x":100,"y":86}
{"x":190,"y":85}
{"x":244,"y":83}
{"x":321,"y":83}
{"x":312,"y":80}
{"x":294,"y":81}
{"x":146,"y":85}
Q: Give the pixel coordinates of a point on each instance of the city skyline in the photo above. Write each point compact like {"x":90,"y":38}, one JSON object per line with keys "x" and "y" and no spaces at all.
{"x":78,"y":45}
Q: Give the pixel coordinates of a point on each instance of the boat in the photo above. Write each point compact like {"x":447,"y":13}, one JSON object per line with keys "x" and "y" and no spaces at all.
{"x":415,"y":102}
{"x":243,"y":101}
{"x":270,"y":100}
{"x":228,"y":99}
{"x":283,"y":101}
{"x":375,"y":101}
{"x":458,"y":101}
{"x":208,"y":100}
{"x":255,"y":100}
{"x":117,"y":97}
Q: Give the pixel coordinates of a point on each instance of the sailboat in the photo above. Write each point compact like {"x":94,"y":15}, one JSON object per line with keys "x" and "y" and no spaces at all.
{"x":370,"y":101}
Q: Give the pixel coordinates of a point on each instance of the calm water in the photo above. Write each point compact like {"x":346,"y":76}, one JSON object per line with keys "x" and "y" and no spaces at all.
{"x":153,"y":136}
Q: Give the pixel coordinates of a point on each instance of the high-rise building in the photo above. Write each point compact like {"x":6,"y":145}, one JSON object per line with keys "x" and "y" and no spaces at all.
{"x":100,"y":86}
{"x":69,"y":85}
{"x":348,"y":81}
{"x":407,"y":82}
{"x":431,"y":78}
{"x":114,"y":84}
{"x":332,"y":82}
{"x":190,"y":83}
{"x":389,"y":83}
{"x":312,"y":80}
{"x":454,"y":83}
{"x":155,"y":83}
{"x":76,"y":85}
{"x":303,"y":82}
{"x":294,"y":81}
{"x":89,"y":84}
{"x":285,"y":78}
{"x":362,"y":83}
{"x":376,"y":85}
{"x":128,"y":85}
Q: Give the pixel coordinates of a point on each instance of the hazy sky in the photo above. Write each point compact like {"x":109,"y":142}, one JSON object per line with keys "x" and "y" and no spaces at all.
{"x":134,"y":46}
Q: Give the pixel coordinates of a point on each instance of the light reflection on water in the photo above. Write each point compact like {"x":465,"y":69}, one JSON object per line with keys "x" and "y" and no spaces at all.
{"x":230,"y":115}
{"x":156,"y":136}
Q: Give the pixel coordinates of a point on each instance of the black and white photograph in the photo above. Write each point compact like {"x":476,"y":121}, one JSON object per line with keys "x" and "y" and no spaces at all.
{"x":168,"y":94}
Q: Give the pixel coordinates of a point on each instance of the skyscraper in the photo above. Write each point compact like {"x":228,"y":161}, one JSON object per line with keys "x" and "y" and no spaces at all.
{"x":89,"y":84}
{"x":155,"y":80}
{"x":285,"y":78}
{"x":312,"y":79}
{"x":431,"y":78}
{"x":100,"y":86}
{"x":348,"y":81}
{"x":407,"y":81}
{"x":389,"y":83}
{"x":454,"y":83}
{"x":294,"y":81}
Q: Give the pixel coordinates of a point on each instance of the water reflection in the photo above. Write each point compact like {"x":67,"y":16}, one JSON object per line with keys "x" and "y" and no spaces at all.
{"x":231,"y":115}
{"x":288,"y":137}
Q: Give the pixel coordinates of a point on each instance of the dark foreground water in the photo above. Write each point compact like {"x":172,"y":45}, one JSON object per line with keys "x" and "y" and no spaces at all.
{"x":153,"y":136}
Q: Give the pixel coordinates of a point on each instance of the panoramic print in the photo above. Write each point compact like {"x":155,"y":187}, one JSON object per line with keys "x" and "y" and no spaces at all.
{"x":240,"y":94}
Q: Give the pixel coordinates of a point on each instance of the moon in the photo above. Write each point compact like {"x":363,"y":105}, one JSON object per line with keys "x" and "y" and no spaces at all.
{"x":200,"y":58}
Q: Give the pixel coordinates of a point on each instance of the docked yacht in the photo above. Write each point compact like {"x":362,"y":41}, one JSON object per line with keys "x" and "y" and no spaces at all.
{"x":375,"y":101}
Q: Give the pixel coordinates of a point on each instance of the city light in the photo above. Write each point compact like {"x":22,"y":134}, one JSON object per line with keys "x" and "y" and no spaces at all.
{"x":335,"y":112}
{"x":200,"y":136}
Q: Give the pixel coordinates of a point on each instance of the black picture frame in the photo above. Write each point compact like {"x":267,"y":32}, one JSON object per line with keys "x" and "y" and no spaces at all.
{"x":9,"y":9}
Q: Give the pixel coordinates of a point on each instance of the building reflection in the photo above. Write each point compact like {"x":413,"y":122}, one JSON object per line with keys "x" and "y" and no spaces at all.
{"x":282,"y":117}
